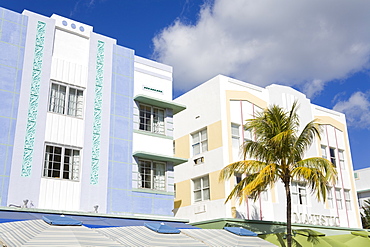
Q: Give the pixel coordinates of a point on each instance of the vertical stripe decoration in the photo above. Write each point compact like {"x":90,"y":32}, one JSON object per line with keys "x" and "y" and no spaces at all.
{"x":98,"y":102}
{"x":34,"y":100}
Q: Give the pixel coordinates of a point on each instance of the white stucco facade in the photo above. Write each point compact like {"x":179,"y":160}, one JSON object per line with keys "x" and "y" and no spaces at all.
{"x":362,"y":185}
{"x":220,"y":107}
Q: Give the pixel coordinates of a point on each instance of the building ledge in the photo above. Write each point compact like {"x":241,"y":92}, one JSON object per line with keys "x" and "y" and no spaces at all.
{"x":148,"y":133}
{"x":159,"y":157}
{"x":160,"y":103}
{"x":160,"y":192}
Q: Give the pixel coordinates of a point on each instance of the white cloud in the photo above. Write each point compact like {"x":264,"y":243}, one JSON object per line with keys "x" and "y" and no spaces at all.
{"x":300,"y":43}
{"x":357,"y":109}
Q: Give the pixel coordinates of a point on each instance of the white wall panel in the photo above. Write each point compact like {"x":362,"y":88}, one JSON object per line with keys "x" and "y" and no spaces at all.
{"x":68,"y":72}
{"x":59,"y":194}
{"x":157,"y":145}
{"x":64,"y":130}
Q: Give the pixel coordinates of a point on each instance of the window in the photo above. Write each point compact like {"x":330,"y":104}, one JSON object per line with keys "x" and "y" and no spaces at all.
{"x":330,"y":198}
{"x":59,"y":103}
{"x":247,"y":135}
{"x":264,"y":195}
{"x":347,"y":198}
{"x":200,"y":143}
{"x":299,"y":195}
{"x":152,"y":175}
{"x":323,"y":152}
{"x":201,"y":189}
{"x":152,"y":119}
{"x":235,"y":138}
{"x":338,"y":195}
{"x":341,"y":159}
{"x":356,"y":175}
{"x":238,"y":178}
{"x":332,"y":156}
{"x":61,"y":162}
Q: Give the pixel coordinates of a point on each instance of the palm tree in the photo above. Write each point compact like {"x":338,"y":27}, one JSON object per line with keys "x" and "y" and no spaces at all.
{"x":365,"y":214}
{"x":277,"y":153}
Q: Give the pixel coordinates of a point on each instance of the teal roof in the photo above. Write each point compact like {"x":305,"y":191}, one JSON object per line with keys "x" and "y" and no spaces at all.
{"x":160,"y":103}
{"x":159,"y":157}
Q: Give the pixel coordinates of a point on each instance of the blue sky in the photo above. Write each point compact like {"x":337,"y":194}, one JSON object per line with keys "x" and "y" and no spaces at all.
{"x":321,"y":48}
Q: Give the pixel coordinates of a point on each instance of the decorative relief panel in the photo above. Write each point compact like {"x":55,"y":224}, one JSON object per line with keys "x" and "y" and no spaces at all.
{"x":34,"y":99}
{"x":98,"y":102}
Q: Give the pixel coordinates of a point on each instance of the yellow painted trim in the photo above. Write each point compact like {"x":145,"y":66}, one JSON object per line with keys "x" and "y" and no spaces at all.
{"x":273,"y":193}
{"x":243,"y":96}
{"x":217,"y":188}
{"x":214,"y":133}
{"x":182,"y":147}
{"x":183,"y":194}
{"x":330,"y":121}
{"x":232,"y":185}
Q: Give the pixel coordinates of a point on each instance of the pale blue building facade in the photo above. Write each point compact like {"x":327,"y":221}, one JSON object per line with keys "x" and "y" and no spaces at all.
{"x":86,"y":124}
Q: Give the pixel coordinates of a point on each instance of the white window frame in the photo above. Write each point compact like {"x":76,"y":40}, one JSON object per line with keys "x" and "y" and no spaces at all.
{"x":333,"y":158}
{"x":235,"y":140}
{"x":264,"y":195}
{"x":330,"y":198}
{"x":149,"y":119}
{"x":341,"y":159}
{"x":70,"y":103}
{"x":347,"y":198}
{"x":203,"y":190}
{"x":148,"y":177}
{"x":338,"y":195}
{"x":57,"y":162}
{"x":323,"y":152}
{"x":200,"y":141}
{"x":299,"y":193}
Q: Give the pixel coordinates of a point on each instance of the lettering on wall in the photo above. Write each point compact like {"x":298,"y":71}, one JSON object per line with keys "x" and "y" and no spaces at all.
{"x":315,"y":219}
{"x":152,"y":89}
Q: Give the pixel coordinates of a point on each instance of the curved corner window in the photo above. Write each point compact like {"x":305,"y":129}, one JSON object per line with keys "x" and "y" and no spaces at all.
{"x":152,"y":119}
{"x":152,"y":175}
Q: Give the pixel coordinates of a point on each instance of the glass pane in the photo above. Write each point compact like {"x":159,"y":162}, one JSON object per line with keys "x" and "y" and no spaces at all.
{"x":197,"y":196}
{"x":234,"y":129}
{"x":195,"y":138}
{"x":159,"y":178}
{"x":203,"y":134}
{"x":204,"y":146}
{"x":338,"y":194}
{"x":158,"y":121}
{"x":247,"y":135}
{"x":196,"y":149}
{"x":295,"y":198}
{"x":206,"y":194}
{"x":145,"y":118}
{"x":293,"y":187}
{"x":205,"y":182}
{"x":197,"y":185}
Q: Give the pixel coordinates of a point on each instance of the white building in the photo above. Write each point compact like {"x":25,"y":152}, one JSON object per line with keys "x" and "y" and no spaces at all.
{"x":209,"y":134}
{"x":86,"y":124}
{"x":362,"y":185}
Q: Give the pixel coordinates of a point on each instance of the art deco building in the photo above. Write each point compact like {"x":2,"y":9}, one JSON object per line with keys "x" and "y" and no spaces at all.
{"x":209,"y":134}
{"x":86,"y":125}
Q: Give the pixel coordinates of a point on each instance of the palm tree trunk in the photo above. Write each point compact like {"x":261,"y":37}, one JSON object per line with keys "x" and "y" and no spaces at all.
{"x":288,"y":214}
